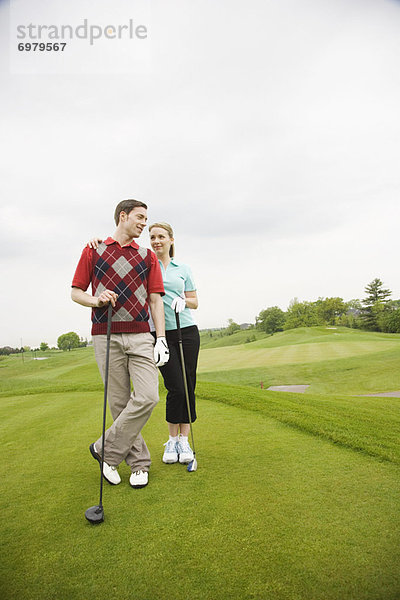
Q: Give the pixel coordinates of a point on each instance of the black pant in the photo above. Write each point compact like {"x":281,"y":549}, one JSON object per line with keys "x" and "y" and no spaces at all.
{"x":176,"y":410}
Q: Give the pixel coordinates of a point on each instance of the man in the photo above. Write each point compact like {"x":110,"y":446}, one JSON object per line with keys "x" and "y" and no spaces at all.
{"x":128,"y":276}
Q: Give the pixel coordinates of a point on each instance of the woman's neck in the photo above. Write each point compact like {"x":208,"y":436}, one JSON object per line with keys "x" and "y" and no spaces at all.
{"x":165,"y":259}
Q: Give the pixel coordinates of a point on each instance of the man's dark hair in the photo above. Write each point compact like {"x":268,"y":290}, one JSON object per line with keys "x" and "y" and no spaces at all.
{"x":126,"y":206}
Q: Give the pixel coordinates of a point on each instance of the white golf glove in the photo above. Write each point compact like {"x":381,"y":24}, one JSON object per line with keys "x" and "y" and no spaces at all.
{"x":178,"y":304}
{"x":161,"y":352}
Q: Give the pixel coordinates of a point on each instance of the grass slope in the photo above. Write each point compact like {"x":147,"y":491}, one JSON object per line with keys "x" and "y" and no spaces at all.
{"x":356,"y":375}
{"x":301,"y":335}
{"x":367,"y":425}
{"x":238,"y":357}
{"x":216,"y":340}
{"x":339,"y":361}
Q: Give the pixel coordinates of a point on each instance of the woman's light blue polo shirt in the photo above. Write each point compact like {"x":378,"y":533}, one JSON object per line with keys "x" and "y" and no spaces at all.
{"x":178,"y":279}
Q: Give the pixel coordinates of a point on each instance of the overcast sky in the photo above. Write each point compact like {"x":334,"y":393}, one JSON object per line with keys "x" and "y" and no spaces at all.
{"x":266,"y":132}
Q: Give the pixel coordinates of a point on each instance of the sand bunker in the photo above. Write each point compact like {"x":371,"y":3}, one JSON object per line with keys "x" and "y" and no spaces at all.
{"x":383,"y":395}
{"x":298,"y":389}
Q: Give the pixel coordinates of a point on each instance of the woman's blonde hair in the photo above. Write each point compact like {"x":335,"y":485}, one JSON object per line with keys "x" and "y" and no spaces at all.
{"x":170,"y":232}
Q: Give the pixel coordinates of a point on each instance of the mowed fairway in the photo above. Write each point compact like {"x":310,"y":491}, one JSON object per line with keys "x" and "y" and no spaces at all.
{"x":273,"y":512}
{"x":342,"y":361}
{"x":289,"y":348}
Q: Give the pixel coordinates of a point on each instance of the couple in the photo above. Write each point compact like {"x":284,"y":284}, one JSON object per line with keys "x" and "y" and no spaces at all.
{"x":135,"y":280}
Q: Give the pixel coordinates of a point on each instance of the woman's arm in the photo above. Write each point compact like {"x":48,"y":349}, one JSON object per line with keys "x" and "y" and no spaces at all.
{"x":191,"y":300}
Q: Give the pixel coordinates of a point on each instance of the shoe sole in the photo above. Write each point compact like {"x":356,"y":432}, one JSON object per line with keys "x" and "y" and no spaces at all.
{"x":138,"y":487}
{"x":186,"y":461}
{"x":169,"y":461}
{"x":98,"y":458}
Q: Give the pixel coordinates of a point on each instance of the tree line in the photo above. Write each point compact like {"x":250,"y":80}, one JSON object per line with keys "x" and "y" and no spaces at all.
{"x":66,"y":341}
{"x":375,"y":312}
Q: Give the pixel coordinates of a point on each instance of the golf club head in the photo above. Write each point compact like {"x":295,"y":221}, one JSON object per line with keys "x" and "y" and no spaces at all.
{"x":192,"y":466}
{"x":95,"y":514}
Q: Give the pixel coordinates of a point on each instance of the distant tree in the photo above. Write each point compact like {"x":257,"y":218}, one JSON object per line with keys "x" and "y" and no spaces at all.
{"x":376,"y":292}
{"x":330,"y":309}
{"x":375,"y":304}
{"x":6,"y":350}
{"x":44,"y":346}
{"x":271,"y":320}
{"x":232,"y":327}
{"x":301,"y":314}
{"x":69,"y":340}
{"x":389,"y":318}
{"x":83,"y":343}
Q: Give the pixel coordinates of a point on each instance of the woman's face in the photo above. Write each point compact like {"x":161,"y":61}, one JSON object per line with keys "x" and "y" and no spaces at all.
{"x":160,"y":241}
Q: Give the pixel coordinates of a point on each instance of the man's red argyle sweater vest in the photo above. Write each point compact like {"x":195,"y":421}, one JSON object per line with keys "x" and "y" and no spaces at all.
{"x":125,"y":272}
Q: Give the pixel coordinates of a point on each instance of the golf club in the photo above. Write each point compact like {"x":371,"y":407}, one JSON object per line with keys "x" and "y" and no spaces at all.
{"x":192,"y":466}
{"x":95,"y":514}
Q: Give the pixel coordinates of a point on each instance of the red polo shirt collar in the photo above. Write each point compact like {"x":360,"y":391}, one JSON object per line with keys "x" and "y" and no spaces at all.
{"x":111,"y":240}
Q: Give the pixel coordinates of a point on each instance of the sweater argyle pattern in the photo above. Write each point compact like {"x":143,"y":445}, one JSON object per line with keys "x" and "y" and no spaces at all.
{"x":125,"y":271}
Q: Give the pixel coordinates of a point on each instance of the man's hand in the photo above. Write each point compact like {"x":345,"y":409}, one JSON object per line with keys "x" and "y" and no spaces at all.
{"x":161,"y":352}
{"x":106,"y":297}
{"x":178,"y":304}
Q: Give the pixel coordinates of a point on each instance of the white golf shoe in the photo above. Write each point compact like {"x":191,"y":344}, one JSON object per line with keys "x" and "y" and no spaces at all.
{"x":170,"y":453}
{"x":110,"y":473}
{"x":139,"y":479}
{"x":184,"y":450}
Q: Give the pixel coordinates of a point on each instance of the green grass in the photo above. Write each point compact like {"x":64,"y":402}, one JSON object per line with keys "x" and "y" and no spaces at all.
{"x":215,"y":340}
{"x":368,"y":425}
{"x":336,"y":362}
{"x":244,"y":356}
{"x":317,"y":335}
{"x":302,"y":335}
{"x":296,"y":496}
{"x":356,"y":375}
{"x":61,"y":372}
{"x":274,"y":514}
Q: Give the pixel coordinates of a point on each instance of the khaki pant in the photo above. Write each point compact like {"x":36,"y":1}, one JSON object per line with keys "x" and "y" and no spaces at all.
{"x":131,"y":358}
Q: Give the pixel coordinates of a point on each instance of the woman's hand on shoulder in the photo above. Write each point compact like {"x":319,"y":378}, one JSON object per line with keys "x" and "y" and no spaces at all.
{"x":94,"y":243}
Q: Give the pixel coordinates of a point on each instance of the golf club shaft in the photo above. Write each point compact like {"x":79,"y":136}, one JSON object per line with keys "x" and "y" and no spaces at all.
{"x":178,"y":327}
{"x":109,"y":318}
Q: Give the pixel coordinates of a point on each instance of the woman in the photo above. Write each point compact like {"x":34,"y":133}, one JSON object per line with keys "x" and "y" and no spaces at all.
{"x":180,"y":297}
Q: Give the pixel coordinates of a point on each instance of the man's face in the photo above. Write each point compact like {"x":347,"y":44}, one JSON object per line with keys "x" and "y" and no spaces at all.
{"x":134,"y":222}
